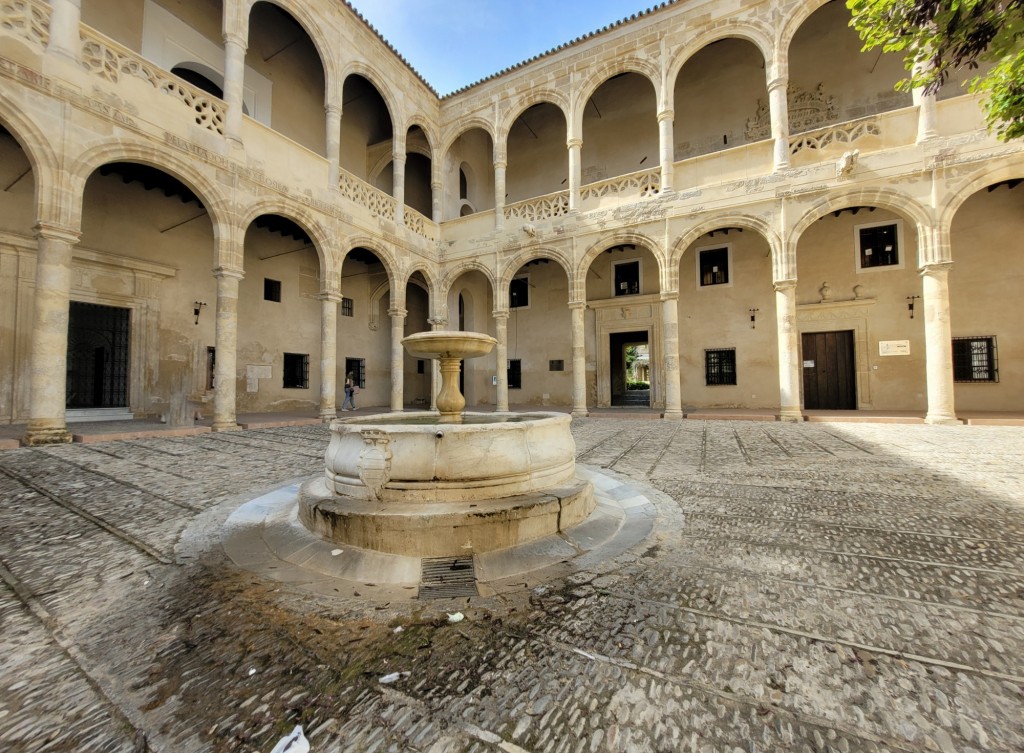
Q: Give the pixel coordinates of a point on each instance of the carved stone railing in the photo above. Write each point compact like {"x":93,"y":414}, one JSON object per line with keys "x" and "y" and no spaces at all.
{"x":29,"y":19}
{"x":110,"y":61}
{"x":362,"y":193}
{"x":644,"y":183}
{"x":541,"y":208}
{"x":418,"y":223}
{"x":843,"y":133}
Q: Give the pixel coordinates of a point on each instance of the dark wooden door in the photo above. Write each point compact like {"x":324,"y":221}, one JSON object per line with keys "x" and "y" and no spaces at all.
{"x":830,"y":376}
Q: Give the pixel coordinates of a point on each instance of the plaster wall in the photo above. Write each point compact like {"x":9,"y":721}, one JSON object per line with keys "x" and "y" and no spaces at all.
{"x":620,"y":128}
{"x":538,"y":161}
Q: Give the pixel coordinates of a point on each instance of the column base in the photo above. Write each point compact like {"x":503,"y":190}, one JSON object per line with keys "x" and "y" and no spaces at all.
{"x":943,"y":419}
{"x":225,"y":426}
{"x":580,"y":413}
{"x":672,"y":415}
{"x":791,"y":415}
{"x":328,"y":415}
{"x":41,"y":435}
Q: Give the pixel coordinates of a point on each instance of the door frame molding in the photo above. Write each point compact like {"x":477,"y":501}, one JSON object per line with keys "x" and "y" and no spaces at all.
{"x":829,"y":316}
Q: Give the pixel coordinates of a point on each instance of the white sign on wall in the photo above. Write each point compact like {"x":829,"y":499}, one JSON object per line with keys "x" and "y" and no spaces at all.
{"x":894,"y":347}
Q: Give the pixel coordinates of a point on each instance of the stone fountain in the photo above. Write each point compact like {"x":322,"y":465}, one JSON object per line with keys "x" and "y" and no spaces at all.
{"x":451,"y":483}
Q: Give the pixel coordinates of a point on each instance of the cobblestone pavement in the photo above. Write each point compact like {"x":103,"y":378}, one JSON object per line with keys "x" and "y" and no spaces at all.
{"x":817,"y":587}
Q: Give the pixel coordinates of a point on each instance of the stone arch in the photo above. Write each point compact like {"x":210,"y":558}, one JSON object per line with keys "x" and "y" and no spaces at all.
{"x":617,"y":238}
{"x":449,"y":277}
{"x":387,"y":258}
{"x":631,"y":64}
{"x":549,"y":96}
{"x":878,"y":197}
{"x":800,"y":13}
{"x":314,"y":30}
{"x":755,"y":33}
{"x":748,"y":222}
{"x":1012,"y":168}
{"x":298,"y":214}
{"x":360,"y":68}
{"x":463,"y":126}
{"x":158,"y":156}
{"x":515,"y":263}
{"x":41,"y":158}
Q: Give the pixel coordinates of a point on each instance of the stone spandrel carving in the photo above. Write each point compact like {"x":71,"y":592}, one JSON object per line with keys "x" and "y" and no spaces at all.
{"x":807,"y":109}
{"x":28,"y":19}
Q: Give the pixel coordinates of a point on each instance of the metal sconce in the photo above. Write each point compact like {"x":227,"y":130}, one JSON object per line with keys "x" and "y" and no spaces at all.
{"x":753,"y":318}
{"x":910,"y":305}
{"x":197,"y":306}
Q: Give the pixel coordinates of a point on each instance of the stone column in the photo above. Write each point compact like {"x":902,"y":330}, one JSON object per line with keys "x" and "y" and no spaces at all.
{"x":65,"y":19}
{"x":790,"y":373}
{"x":938,"y":343}
{"x":226,"y":343}
{"x":234,"y":78}
{"x":436,"y":323}
{"x":499,"y":194}
{"x":575,"y":174}
{"x":397,"y":358}
{"x":48,"y":383}
{"x":666,"y":148}
{"x":778,"y":106}
{"x":333,"y":144}
{"x":926,"y":120}
{"x":670,"y":334}
{"x":329,"y":355}
{"x":399,"y":186}
{"x":501,"y":358}
{"x":579,"y":359}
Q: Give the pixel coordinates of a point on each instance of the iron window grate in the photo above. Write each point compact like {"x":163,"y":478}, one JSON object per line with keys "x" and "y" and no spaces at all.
{"x":975,"y":359}
{"x":720,"y":366}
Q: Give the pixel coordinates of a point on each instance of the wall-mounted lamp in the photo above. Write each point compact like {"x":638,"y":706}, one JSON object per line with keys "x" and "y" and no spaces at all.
{"x":753,"y":318}
{"x":197,"y":306}
{"x":910,"y":304}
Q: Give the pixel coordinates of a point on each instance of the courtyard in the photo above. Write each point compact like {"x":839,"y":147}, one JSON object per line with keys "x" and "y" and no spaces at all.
{"x":806,"y":587}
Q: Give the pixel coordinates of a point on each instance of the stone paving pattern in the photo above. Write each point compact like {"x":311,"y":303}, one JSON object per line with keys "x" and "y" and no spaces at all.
{"x":825,"y":587}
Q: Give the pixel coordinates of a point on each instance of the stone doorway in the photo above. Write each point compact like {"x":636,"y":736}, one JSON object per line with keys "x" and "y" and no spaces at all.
{"x":99,"y":356}
{"x":619,"y":344}
{"x":830,"y":372}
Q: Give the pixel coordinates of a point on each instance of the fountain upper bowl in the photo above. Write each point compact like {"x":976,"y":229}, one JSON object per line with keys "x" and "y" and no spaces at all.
{"x":448,"y":344}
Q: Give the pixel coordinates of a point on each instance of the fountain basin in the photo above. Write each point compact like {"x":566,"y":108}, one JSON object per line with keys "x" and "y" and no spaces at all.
{"x":412,"y":458}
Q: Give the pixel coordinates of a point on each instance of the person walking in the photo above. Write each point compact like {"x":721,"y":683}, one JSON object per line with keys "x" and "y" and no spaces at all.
{"x":350,"y":391}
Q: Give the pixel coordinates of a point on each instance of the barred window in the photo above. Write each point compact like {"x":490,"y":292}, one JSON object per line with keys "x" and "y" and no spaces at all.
{"x":346,"y":307}
{"x":296,"y":371}
{"x":974,"y":359}
{"x":515,"y":374}
{"x":720,"y":366}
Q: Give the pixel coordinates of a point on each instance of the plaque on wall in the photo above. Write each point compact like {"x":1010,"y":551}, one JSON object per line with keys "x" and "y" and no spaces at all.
{"x":894,"y":347}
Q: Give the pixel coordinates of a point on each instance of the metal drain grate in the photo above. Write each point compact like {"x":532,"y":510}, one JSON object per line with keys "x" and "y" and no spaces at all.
{"x":447,"y":577}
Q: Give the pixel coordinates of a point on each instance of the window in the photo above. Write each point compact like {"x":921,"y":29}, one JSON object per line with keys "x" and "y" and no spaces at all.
{"x":519,"y":293}
{"x":346,"y":307}
{"x":713,"y":266}
{"x":558,"y":365}
{"x":421,"y":366}
{"x":974,"y":359}
{"x":271,"y":290}
{"x":720,"y":366}
{"x":211,"y":367}
{"x":878,"y":245}
{"x":627,"y":278}
{"x":296,"y":371}
{"x":515,"y":374}
{"x":358,"y":368}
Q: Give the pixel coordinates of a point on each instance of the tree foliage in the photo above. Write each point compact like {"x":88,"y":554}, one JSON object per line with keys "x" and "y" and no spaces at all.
{"x":939,"y":37}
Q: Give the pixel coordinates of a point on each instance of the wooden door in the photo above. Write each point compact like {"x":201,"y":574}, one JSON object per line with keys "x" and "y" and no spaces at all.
{"x":830,"y":374}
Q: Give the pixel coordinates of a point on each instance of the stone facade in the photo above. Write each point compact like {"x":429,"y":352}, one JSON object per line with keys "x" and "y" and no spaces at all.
{"x":229,"y":206}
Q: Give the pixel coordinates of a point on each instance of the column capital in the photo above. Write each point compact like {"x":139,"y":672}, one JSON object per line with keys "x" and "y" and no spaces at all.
{"x":935,"y":268}
{"x":330,"y":295}
{"x":438,"y":321}
{"x":234,"y":38}
{"x":577,"y":304}
{"x":54,"y":232}
{"x":666,"y":114}
{"x":669,"y":295}
{"x":500,"y":164}
{"x":782,"y":286}
{"x":333,"y":108}
{"x":398,"y":313}
{"x":500,"y":314}
{"x":238,"y":274}
{"x":778,"y":82}
{"x":570,"y":143}
{"x":398,"y":153}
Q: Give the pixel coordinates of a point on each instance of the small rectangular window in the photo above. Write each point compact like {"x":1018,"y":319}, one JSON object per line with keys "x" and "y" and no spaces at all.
{"x":515,"y":374}
{"x":558,"y":365}
{"x":720,"y":366}
{"x":296,"y":371}
{"x":421,"y":366}
{"x":878,"y":245}
{"x":714,"y":266}
{"x":519,"y":293}
{"x":357,"y":367}
{"x":974,"y":359}
{"x":211,"y":367}
{"x":346,"y":307}
{"x":627,"y":278}
{"x":271,"y":290}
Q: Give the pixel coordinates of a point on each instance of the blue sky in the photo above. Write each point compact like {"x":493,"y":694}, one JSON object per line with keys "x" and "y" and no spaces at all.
{"x":453,"y":43}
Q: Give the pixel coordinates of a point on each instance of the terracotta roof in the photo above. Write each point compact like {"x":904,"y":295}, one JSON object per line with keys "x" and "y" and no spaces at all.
{"x":518,"y":65}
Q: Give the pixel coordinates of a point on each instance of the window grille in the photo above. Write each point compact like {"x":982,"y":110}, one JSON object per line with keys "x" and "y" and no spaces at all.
{"x":974,"y":359}
{"x":346,"y":307}
{"x":296,"y":371}
{"x":720,"y":366}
